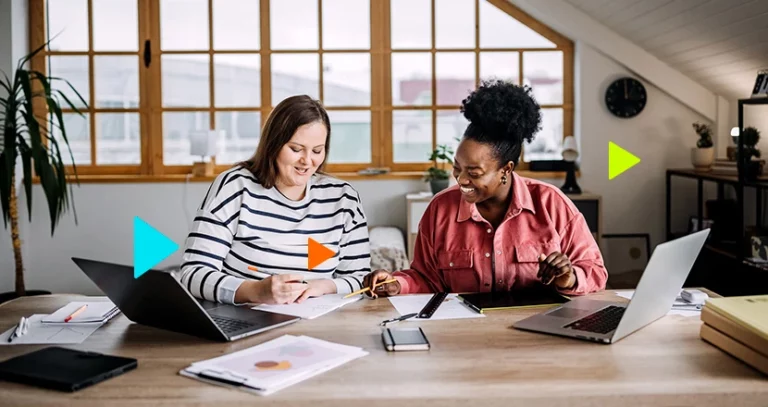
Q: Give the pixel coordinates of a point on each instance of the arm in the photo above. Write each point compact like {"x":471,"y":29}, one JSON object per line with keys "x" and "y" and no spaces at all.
{"x":354,"y":252}
{"x":422,"y":277}
{"x":578,"y":244}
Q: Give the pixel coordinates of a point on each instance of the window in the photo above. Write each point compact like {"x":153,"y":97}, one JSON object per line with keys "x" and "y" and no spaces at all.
{"x":392,"y":74}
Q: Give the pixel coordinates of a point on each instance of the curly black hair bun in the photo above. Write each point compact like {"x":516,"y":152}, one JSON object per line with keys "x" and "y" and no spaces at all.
{"x":501,"y":112}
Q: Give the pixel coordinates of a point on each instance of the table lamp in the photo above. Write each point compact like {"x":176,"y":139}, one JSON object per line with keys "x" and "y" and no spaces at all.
{"x":730,"y":151}
{"x":570,"y":154}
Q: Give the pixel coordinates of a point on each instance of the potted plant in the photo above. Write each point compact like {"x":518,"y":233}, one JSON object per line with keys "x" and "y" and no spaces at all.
{"x":437,"y":175}
{"x":750,"y":137}
{"x":27,"y":137}
{"x":703,"y":155}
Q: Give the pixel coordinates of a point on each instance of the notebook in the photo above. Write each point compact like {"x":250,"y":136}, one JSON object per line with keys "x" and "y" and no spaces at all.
{"x":95,"y":312}
{"x":273,"y":365}
{"x":482,"y":302}
{"x":311,"y":308}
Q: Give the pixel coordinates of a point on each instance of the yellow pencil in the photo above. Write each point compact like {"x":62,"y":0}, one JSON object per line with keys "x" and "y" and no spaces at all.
{"x":392,"y":280}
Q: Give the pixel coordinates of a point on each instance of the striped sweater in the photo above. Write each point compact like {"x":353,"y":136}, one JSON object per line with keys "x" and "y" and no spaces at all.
{"x":241,"y":224}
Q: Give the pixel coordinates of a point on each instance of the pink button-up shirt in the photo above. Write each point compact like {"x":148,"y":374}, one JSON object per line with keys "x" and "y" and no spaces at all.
{"x":457,"y":250}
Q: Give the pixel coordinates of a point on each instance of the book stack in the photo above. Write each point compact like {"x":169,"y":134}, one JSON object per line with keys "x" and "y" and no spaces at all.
{"x":739,"y":327}
{"x":724,"y":167}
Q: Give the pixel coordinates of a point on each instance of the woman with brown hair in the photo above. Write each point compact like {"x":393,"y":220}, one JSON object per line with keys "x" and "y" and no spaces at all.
{"x":249,"y":240}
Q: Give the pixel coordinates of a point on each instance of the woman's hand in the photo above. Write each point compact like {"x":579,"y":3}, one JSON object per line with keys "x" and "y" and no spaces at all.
{"x":279,"y":289}
{"x":317,"y":288}
{"x":556,"y":268}
{"x":386,"y":290}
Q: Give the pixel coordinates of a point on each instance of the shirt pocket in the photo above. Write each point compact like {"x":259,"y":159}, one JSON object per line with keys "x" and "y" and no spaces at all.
{"x":527,"y":261}
{"x":457,"y":270}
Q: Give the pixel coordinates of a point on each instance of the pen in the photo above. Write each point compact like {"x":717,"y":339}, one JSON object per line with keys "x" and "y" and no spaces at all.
{"x":253,"y":268}
{"x":74,"y":314}
{"x":20,"y":330}
{"x":400,"y":318}
{"x":392,"y":280}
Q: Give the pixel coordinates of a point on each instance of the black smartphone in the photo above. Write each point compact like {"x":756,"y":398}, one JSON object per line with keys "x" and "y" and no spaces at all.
{"x":399,"y":339}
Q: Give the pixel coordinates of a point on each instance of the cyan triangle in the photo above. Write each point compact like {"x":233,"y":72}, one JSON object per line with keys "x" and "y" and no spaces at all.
{"x":149,"y":247}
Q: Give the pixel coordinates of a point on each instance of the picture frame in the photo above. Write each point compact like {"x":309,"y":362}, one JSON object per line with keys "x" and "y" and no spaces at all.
{"x":761,"y":84}
{"x":625,"y":257}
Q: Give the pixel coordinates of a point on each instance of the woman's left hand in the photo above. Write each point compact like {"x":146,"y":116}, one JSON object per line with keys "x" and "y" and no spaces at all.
{"x":317,"y":288}
{"x":556,"y":268}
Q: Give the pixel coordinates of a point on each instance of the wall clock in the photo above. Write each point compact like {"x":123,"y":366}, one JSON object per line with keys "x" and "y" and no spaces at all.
{"x":625,"y":97}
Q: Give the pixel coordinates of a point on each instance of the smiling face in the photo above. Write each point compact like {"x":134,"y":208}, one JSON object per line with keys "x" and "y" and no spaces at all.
{"x":302,"y":155}
{"x":479,"y":173}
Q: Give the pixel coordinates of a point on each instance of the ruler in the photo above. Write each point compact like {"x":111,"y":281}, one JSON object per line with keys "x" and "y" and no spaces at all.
{"x":432,"y":305}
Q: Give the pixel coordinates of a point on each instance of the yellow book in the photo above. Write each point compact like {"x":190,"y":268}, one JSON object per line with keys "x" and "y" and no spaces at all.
{"x":751,"y":312}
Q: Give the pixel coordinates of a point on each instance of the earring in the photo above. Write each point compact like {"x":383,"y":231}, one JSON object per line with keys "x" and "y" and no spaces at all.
{"x":504,"y":179}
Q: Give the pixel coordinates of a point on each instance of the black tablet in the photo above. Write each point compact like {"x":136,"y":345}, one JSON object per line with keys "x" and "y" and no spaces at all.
{"x":482,"y":302}
{"x":63,"y":369}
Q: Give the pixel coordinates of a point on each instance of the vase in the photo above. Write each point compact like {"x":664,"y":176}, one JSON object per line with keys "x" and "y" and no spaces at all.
{"x":438,"y":185}
{"x":702,"y":158}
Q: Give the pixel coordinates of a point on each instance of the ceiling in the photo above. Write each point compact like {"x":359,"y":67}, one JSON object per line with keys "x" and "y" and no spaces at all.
{"x":719,"y":43}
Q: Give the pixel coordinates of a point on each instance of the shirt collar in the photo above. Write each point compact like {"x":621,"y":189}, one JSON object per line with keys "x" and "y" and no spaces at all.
{"x":521,"y":199}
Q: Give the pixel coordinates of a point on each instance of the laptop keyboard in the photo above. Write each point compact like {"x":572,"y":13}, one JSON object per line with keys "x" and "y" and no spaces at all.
{"x":230,"y":325}
{"x":601,"y":322}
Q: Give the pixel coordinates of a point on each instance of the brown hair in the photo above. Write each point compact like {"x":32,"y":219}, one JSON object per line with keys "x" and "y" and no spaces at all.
{"x":282,"y":123}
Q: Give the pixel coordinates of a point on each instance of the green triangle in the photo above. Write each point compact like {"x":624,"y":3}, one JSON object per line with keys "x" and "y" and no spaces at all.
{"x":619,"y":160}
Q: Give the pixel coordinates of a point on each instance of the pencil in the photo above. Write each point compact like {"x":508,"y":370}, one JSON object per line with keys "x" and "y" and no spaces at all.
{"x":392,"y":280}
{"x":74,"y":314}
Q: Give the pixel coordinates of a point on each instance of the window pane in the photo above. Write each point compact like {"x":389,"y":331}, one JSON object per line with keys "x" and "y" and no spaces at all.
{"x":117,"y":138}
{"x":412,"y":135}
{"x":293,"y":24}
{"x":185,"y":81}
{"x":455,"y":76}
{"x":500,"y":30}
{"x":115,"y":25}
{"x":350,"y":137}
{"x":347,"y":79}
{"x":177,"y":127}
{"x":116,"y":81}
{"x":236,"y":24}
{"x":411,"y":78}
{"x":346,"y":24}
{"x":242,"y":131}
{"x":78,"y":135}
{"x":500,"y":65}
{"x":295,"y":74}
{"x":238,"y":80}
{"x":68,"y":22}
{"x":75,"y":70}
{"x":450,"y":127}
{"x":455,"y":23}
{"x":548,"y":142}
{"x":543,"y":71}
{"x":411,"y":24}
{"x":184,"y":24}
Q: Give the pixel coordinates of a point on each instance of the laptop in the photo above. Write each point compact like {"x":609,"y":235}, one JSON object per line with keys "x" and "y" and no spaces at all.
{"x":159,"y":300}
{"x":606,"y":321}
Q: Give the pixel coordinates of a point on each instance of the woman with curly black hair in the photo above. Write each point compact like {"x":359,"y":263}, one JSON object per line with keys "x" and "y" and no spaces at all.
{"x":496,"y":230}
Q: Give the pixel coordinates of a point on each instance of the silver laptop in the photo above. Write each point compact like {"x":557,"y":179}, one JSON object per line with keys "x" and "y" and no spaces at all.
{"x":158,"y":299}
{"x":606,"y":321}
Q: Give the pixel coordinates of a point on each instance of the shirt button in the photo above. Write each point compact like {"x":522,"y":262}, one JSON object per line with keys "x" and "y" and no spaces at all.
{"x":489,"y":230}
{"x":498,"y":251}
{"x":487,"y":255}
{"x":501,"y":281}
{"x":451,"y":264}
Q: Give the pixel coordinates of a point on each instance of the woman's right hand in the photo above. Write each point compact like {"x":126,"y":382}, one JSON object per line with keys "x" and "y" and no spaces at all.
{"x":385,"y":290}
{"x":279,"y":289}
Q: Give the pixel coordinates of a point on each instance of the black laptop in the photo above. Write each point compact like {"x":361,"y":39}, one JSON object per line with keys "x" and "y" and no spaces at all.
{"x":159,"y":300}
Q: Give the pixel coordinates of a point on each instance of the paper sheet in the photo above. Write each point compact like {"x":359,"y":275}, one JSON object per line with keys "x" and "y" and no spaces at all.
{"x":49,"y":334}
{"x":451,"y":308}
{"x":678,"y":301}
{"x":312,"y":307}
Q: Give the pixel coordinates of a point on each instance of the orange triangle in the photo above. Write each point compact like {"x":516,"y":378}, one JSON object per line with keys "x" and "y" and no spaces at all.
{"x":318,"y":253}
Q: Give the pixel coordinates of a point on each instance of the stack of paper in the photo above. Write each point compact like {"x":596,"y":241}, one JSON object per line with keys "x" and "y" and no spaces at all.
{"x":94,"y":313}
{"x":273,"y":365}
{"x":39,"y":333}
{"x":312,"y":307}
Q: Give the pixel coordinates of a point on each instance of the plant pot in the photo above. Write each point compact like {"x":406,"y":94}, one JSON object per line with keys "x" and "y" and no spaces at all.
{"x":438,"y":185}
{"x":753,"y":169}
{"x":702,"y":158}
{"x":11,"y":295}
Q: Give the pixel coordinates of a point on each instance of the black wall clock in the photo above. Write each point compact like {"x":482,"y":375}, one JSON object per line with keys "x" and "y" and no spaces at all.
{"x":625,"y":97}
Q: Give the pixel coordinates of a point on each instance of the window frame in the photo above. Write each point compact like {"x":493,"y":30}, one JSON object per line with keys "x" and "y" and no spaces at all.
{"x":150,"y":107}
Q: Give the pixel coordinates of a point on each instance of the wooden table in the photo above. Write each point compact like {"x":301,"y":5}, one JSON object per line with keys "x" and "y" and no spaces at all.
{"x":478,"y":361}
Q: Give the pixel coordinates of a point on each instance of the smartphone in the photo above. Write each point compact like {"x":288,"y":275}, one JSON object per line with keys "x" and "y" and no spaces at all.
{"x":404,"y":339}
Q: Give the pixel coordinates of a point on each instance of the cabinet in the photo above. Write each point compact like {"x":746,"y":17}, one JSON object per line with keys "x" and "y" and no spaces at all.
{"x":589,"y":204}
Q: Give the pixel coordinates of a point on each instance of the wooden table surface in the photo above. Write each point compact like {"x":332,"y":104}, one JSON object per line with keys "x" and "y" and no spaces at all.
{"x":480,"y":361}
